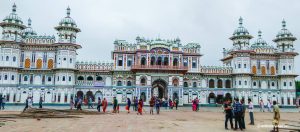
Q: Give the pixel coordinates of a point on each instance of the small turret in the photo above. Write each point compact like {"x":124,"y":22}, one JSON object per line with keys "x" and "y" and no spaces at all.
{"x":285,"y":39}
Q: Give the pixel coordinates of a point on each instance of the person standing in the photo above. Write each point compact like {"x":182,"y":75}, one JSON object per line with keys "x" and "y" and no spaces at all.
{"x":276,"y":116}
{"x":238,"y":113}
{"x":30,"y":102}
{"x":157,"y":105}
{"x":99,"y":104}
{"x":41,"y":103}
{"x":262,"y":105}
{"x":104,"y":105}
{"x":71,"y":103}
{"x":151,"y":103}
{"x":176,"y":103}
{"x":228,"y":114}
{"x":170,"y":104}
{"x":243,"y":114}
{"x":197,"y":104}
{"x":250,"y":109}
{"x":140,"y":107}
{"x":3,"y":102}
{"x":128,"y":105}
{"x":135,"y":103}
{"x":90,"y":103}
{"x":269,"y":105}
{"x":115,"y":104}
{"x":76,"y":101}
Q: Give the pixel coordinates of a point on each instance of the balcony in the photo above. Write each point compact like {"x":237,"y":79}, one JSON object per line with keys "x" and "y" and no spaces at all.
{"x":160,"y":68}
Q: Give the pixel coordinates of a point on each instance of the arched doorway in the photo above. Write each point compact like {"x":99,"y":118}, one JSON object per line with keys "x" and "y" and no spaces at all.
{"x":228,"y":97}
{"x":79,"y":94}
{"x":89,"y":94}
{"x":159,"y":89}
{"x":211,"y":83}
{"x":228,"y":84}
{"x":175,"y":95}
{"x":212,"y":98}
{"x":98,"y":94}
{"x":143,"y":96}
{"x":220,"y":83}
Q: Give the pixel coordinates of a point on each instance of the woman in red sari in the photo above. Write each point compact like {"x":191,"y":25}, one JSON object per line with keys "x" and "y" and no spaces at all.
{"x":104,"y":105}
{"x":140,"y":107}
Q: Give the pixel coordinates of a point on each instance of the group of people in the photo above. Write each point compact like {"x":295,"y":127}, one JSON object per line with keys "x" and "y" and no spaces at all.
{"x":237,"y":111}
{"x":268,"y":105}
{"x":195,"y":104}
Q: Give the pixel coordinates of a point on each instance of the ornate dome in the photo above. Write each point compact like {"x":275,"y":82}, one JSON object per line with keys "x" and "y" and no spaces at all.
{"x":13,"y":17}
{"x":68,"y":21}
{"x":29,"y":30}
{"x":240,"y":30}
{"x":260,"y":42}
{"x":284,"y":32}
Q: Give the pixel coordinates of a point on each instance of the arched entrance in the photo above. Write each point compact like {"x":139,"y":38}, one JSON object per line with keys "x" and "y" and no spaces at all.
{"x":89,"y":94}
{"x":175,"y":96}
{"x":212,"y":98}
{"x":79,"y":94}
{"x":228,"y":97}
{"x":159,"y":89}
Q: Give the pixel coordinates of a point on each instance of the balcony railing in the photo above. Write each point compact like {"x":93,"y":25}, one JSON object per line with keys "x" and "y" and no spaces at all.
{"x":159,"y":67}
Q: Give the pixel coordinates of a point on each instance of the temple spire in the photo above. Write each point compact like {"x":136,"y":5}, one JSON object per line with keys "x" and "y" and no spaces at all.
{"x":14,"y":8}
{"x":68,"y":11}
{"x":259,"y":34}
{"x":283,"y":24}
{"x":241,"y":21}
{"x":29,"y":22}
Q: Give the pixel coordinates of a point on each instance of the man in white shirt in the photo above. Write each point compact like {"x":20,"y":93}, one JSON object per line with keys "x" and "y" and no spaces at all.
{"x":250,"y":109}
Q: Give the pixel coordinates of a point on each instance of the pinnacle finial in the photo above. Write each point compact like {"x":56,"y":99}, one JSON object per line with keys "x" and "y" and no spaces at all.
{"x":283,"y":24}
{"x":29,"y":22}
{"x":259,"y":33}
{"x":14,"y":8}
{"x":241,"y":21}
{"x":68,"y":11}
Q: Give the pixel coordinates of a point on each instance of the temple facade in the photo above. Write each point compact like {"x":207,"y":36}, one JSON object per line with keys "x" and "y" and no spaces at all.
{"x":33,"y":65}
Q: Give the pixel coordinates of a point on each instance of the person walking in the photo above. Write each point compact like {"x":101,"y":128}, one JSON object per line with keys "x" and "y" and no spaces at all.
{"x":41,"y":103}
{"x":115,"y":104}
{"x":228,"y":114}
{"x":30,"y":102}
{"x":90,"y":103}
{"x":157,"y":105}
{"x":135,"y":103}
{"x":76,"y":101}
{"x":79,"y":103}
{"x":243,"y":114}
{"x":128,"y":105}
{"x":276,"y":116}
{"x":238,"y":109}
{"x":99,"y":104}
{"x":151,"y":104}
{"x":170,"y":104}
{"x":26,"y":104}
{"x":176,"y":103}
{"x":261,"y":106}
{"x":104,"y":104}
{"x":269,"y":105}
{"x":3,"y":102}
{"x":197,"y":104}
{"x":250,"y":109}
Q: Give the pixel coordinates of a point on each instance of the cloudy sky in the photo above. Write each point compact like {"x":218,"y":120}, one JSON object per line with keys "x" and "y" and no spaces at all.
{"x":208,"y":22}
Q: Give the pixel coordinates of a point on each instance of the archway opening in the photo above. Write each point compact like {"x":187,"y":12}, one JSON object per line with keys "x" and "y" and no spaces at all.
{"x":212,"y":98}
{"x":159,"y":89}
{"x":79,"y":94}
{"x":89,"y":94}
{"x":228,"y":97}
{"x":175,"y":95}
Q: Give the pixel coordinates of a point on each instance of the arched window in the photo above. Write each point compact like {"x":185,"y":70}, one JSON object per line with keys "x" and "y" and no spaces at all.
{"x":128,"y":83}
{"x":7,"y":58}
{"x":185,"y":84}
{"x":283,"y":68}
{"x":175,"y":62}
{"x":272,"y":70}
{"x":254,"y":69}
{"x":99,"y":78}
{"x":27,"y":63}
{"x":39,"y":63}
{"x":70,"y":78}
{"x":143,"y":81}
{"x":220,"y":83}
{"x":166,"y":61}
{"x":228,"y":83}
{"x":25,"y":78}
{"x":50,"y":64}
{"x":71,"y":60}
{"x":49,"y":79}
{"x":119,"y":83}
{"x":12,"y":77}
{"x":152,"y":60}
{"x":254,"y":83}
{"x":175,"y":82}
{"x":14,"y":59}
{"x":143,"y":61}
{"x":194,"y":84}
{"x":90,"y":78}
{"x":64,"y":78}
{"x":80,"y":78}
{"x":263,"y":70}
{"x":211,"y":83}
{"x":159,"y":60}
